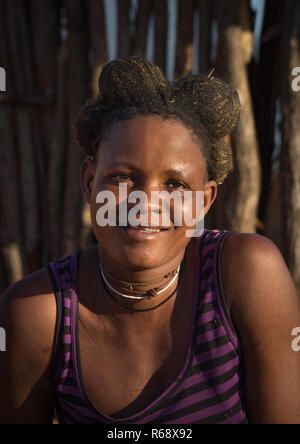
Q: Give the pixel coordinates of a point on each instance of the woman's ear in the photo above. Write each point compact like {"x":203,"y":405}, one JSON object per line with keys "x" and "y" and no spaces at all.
{"x":210,"y":194}
{"x":87,"y":174}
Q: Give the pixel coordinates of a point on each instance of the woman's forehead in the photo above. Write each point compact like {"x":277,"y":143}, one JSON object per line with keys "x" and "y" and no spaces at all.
{"x":151,"y":139}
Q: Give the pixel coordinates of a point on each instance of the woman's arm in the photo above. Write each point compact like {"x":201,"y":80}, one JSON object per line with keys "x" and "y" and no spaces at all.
{"x":27,"y":314}
{"x":265,"y":308}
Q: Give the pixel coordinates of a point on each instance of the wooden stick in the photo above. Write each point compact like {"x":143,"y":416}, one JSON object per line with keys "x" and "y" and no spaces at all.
{"x":238,"y":200}
{"x":141,"y":28}
{"x":78,"y":93}
{"x":124,"y":40}
{"x":161,"y":28}
{"x":57,"y":160}
{"x":290,"y":152}
{"x":98,"y":43}
{"x":205,"y":35}
{"x":185,"y":33}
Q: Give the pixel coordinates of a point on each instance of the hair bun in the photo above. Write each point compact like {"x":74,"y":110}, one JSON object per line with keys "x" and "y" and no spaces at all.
{"x":215,"y":103}
{"x":125,"y":81}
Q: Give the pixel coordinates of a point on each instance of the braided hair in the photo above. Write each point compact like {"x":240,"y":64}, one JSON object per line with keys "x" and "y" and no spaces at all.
{"x":133,"y":87}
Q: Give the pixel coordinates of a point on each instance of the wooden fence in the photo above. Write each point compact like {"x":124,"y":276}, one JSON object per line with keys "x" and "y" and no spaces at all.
{"x":52,"y":52}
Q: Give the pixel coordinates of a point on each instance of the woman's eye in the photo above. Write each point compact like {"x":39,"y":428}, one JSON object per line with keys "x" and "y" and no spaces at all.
{"x":122,"y":177}
{"x":175,"y":184}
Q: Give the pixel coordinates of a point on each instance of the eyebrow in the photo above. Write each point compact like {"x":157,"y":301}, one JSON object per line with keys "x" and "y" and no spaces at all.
{"x":172,"y":172}
{"x":124,"y":165}
{"x":178,"y":173}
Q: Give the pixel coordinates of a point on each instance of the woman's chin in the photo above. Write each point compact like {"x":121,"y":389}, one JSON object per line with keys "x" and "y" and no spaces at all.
{"x":137,"y":250}
{"x":139,"y":259}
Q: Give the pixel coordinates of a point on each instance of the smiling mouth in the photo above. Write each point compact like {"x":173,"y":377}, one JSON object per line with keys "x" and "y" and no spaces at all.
{"x":148,"y":229}
{"x":140,"y":233}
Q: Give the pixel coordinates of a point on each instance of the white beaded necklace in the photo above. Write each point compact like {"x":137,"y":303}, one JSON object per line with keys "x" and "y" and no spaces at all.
{"x":137,"y":297}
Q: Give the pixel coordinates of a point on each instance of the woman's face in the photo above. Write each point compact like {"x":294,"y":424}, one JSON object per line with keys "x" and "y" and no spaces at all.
{"x":146,"y":154}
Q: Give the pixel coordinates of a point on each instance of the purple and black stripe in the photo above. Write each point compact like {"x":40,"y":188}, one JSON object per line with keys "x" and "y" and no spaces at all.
{"x":209,"y":389}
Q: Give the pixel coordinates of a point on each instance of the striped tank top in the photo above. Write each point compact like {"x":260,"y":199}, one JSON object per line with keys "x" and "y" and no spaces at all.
{"x":209,"y":388}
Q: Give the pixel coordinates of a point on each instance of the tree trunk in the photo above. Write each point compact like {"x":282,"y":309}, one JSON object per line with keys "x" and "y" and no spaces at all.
{"x":290,"y":159}
{"x":205,"y":35}
{"x":22,"y":63}
{"x":185,"y":47}
{"x":44,"y":20}
{"x":3,"y":277}
{"x":57,"y":161}
{"x":161,"y":28}
{"x":124,"y":37}
{"x":264,"y":85}
{"x":238,"y":200}
{"x":141,"y":28}
{"x":78,"y":93}
{"x":10,"y":234}
{"x":98,"y":44}
{"x":274,"y":215}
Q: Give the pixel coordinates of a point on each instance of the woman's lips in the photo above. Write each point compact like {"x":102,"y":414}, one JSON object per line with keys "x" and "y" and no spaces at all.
{"x":144,"y":233}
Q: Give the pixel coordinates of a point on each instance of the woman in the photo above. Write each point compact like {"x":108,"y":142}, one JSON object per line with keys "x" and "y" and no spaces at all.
{"x":151,"y":325}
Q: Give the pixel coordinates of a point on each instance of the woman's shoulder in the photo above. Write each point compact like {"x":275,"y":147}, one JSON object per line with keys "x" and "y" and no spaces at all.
{"x":36,"y":287}
{"x":247,"y":252}
{"x":29,"y":301}
{"x":34,"y":295}
{"x":28,"y":316}
{"x":250,"y":266}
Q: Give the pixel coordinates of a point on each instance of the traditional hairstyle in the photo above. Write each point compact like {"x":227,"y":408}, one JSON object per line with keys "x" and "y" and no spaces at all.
{"x":136,"y":87}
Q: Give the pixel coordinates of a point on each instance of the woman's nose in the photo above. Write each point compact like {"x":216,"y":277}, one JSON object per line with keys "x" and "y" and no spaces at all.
{"x":150,"y":201}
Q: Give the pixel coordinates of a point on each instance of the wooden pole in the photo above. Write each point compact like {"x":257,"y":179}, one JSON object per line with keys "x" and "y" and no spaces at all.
{"x":238,"y":200}
{"x":124,"y":37}
{"x":205,"y":35}
{"x":161,"y":28}
{"x":58,"y":158}
{"x":22,"y":65}
{"x":141,"y":27}
{"x":97,"y":40}
{"x":290,"y":154}
{"x":78,"y":93}
{"x":185,"y":32}
{"x":10,"y":221}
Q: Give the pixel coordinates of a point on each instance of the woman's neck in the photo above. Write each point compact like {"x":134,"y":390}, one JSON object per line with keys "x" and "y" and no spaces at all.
{"x":143,"y":279}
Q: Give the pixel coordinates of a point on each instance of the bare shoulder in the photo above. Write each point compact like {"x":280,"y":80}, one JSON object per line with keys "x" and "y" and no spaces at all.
{"x":28,"y":314}
{"x":31,"y":296}
{"x":37,"y":282}
{"x":28,"y":317}
{"x":258,"y":287}
{"x":250,"y":247}
{"x":249,"y":262}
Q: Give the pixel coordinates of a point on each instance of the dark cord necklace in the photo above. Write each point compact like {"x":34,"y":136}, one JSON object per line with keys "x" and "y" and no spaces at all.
{"x":128,"y":307}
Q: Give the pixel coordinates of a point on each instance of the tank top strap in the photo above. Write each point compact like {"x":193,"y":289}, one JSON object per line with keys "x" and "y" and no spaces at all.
{"x":211,"y":279}
{"x":63,"y":273}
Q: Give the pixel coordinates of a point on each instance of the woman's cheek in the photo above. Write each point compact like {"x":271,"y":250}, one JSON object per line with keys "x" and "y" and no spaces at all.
{"x":193,"y":211}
